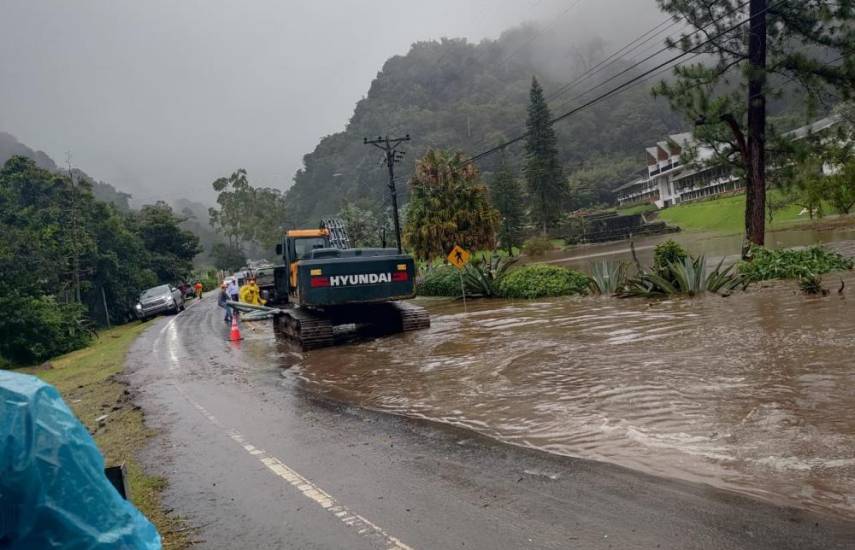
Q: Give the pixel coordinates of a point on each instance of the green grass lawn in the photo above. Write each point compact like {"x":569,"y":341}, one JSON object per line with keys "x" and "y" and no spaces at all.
{"x":725,"y":215}
{"x":86,"y":379}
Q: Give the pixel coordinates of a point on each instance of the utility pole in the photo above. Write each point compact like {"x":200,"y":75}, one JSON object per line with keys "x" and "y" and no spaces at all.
{"x":106,"y":311}
{"x":392,"y":155}
{"x":756,"y":195}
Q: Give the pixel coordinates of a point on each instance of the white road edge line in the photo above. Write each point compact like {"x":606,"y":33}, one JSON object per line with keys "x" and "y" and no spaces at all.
{"x":361,"y":525}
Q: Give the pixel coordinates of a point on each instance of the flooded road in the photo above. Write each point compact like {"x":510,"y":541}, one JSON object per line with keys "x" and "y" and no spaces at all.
{"x":752,"y":393}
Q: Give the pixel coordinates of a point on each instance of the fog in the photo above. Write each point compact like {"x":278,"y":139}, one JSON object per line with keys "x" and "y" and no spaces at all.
{"x":160,"y":98}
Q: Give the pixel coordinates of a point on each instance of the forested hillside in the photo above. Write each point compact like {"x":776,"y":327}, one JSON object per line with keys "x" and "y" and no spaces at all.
{"x":454,"y":94}
{"x":10,"y":147}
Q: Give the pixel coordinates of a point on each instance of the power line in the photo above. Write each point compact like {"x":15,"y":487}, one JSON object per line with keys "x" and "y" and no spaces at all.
{"x":604,"y":63}
{"x":629,"y":48}
{"x":622,"y":86}
{"x":653,"y":55}
{"x":645,"y":37}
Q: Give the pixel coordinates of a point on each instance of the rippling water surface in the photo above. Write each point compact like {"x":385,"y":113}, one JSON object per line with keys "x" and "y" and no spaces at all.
{"x":755,"y":392}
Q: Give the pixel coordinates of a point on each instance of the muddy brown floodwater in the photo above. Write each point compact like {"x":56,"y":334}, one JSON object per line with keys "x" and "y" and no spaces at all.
{"x":753,"y":393}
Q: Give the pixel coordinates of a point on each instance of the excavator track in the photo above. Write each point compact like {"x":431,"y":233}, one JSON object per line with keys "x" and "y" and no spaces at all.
{"x":311,"y":329}
{"x":412,"y":317}
{"x":316,"y":328}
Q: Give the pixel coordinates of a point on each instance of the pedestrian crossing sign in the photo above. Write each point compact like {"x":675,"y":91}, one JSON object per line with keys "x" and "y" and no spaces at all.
{"x":459,"y":256}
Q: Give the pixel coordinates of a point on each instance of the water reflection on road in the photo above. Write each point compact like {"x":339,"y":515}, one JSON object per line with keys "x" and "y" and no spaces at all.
{"x":752,"y":392}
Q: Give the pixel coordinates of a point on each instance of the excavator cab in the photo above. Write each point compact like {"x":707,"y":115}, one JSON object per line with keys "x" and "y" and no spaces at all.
{"x":297,"y":245}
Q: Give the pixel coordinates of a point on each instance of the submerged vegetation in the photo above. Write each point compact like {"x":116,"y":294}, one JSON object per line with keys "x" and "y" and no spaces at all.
{"x":687,"y":277}
{"x":802,"y":263}
{"x":674,"y":272}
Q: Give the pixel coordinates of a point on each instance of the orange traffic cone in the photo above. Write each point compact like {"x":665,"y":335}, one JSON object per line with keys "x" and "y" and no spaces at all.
{"x":235,"y":334}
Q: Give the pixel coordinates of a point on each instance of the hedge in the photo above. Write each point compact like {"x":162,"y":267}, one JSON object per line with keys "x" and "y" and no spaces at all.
{"x":542,"y":280}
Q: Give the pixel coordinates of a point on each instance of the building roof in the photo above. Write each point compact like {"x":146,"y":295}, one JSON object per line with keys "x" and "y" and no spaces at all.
{"x":814,"y":127}
{"x":682,"y":138}
{"x":664,"y":146}
{"x":632,"y":183}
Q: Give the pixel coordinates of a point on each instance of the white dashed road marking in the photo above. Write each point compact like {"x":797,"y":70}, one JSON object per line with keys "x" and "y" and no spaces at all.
{"x":360,"y":524}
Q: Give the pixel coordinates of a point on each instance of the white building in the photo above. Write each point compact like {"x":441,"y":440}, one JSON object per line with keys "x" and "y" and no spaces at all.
{"x":669,"y":180}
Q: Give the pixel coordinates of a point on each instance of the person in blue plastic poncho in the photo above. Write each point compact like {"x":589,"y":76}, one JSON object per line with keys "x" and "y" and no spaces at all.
{"x":53,"y":491}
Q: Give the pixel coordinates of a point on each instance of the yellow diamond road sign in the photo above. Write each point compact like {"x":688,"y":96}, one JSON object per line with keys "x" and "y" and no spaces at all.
{"x":458,"y":257}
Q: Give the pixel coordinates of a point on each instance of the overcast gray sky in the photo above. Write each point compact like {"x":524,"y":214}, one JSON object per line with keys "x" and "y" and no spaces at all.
{"x":160,"y":98}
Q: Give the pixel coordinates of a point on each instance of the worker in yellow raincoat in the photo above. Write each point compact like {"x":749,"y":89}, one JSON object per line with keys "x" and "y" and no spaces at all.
{"x":251,"y":294}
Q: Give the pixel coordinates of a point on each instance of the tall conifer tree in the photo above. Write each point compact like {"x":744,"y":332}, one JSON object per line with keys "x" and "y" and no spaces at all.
{"x":544,"y":178}
{"x":506,"y":194}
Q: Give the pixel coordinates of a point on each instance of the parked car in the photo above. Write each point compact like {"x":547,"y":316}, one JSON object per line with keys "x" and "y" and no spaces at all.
{"x":159,"y":299}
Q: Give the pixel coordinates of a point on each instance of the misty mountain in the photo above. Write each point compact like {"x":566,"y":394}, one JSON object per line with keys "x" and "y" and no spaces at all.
{"x":10,"y":146}
{"x":196,"y":218}
{"x":459,"y":95}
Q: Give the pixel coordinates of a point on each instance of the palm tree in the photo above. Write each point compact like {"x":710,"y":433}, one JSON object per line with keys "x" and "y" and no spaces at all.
{"x":448,"y":205}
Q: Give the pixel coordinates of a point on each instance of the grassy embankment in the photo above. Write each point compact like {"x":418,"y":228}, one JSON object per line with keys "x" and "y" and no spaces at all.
{"x":725,"y":215}
{"x":86,"y":379}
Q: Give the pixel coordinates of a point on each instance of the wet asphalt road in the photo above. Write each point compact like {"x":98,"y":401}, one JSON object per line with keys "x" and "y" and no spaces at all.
{"x":255,"y":462}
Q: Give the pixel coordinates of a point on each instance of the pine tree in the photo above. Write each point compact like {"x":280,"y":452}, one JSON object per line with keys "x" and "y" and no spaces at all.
{"x":546,"y":184}
{"x":779,"y":46}
{"x":506,"y":197}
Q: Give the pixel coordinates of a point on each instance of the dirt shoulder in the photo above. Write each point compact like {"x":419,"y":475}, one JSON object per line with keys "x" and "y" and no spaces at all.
{"x":90,"y":383}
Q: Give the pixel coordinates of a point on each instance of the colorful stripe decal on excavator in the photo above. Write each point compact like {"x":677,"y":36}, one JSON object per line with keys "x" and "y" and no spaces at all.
{"x":359,"y":279}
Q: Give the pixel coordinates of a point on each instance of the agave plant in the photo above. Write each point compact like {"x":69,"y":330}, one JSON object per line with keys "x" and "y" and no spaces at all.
{"x":687,"y":277}
{"x":607,"y":277}
{"x":483,"y":275}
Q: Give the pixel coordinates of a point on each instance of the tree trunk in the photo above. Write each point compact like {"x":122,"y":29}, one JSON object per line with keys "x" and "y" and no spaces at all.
{"x":755,"y":204}
{"x":745,"y":157}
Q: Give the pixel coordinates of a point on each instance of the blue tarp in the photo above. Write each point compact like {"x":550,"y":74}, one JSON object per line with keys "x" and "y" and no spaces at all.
{"x":53,"y":491}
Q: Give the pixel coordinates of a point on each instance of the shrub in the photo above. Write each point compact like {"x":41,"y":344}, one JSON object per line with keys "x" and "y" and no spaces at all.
{"x":537,"y":246}
{"x":666,"y":253}
{"x":443,"y":280}
{"x":607,"y":277}
{"x":38,"y":328}
{"x":542,"y":280}
{"x":792,"y":264}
